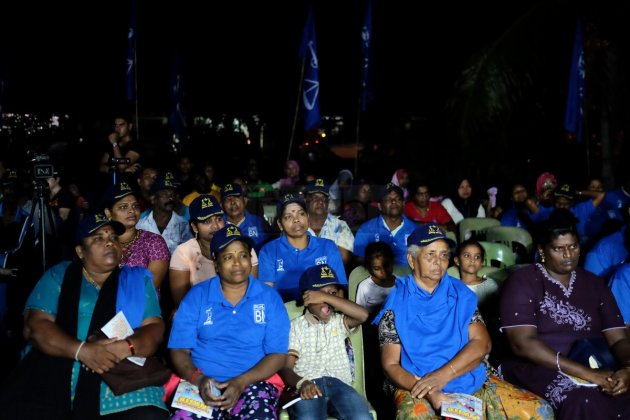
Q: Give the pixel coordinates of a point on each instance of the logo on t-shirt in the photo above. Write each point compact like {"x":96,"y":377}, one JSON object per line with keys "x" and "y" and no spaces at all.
{"x":208,"y":320}
{"x":252,"y":231}
{"x":259,"y":313}
{"x":377,"y":237}
{"x":321,"y":260}
{"x":280,"y":265}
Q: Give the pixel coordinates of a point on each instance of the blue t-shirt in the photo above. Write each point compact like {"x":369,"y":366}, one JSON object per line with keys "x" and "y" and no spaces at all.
{"x":614,"y":203}
{"x":607,"y":254}
{"x":582,"y":211}
{"x":512,"y":217}
{"x":45,"y":298}
{"x":255,"y":227}
{"x":620,"y":286}
{"x":375,"y":230}
{"x":283,"y":264}
{"x":227,"y":340}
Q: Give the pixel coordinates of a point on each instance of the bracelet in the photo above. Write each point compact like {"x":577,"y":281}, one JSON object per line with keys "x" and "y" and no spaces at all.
{"x":131,"y":346}
{"x":114,"y":145}
{"x":76,"y":354}
{"x":301,"y":382}
{"x":195,"y":373}
{"x":558,"y":361}
{"x":453,"y":369}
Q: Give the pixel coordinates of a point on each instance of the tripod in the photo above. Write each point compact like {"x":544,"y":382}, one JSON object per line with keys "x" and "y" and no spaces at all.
{"x":41,"y":210}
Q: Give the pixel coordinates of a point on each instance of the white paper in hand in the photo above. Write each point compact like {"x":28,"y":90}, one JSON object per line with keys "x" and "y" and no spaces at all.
{"x":120,"y":328}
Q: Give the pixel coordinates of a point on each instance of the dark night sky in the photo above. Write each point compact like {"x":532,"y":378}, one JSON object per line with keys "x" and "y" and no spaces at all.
{"x":240,"y":58}
{"x":237,"y":56}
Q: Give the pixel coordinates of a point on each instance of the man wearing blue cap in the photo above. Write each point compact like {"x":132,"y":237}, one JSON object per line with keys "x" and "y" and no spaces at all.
{"x":391,"y":227}
{"x":163,"y":219}
{"x":234,"y":203}
{"x":323,"y":224}
{"x":283,"y":260}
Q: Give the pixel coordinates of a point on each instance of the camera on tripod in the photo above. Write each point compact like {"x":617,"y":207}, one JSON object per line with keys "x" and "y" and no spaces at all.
{"x":42,"y":168}
{"x":119,"y":161}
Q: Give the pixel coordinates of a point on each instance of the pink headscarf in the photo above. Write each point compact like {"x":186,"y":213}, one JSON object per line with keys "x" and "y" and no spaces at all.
{"x":396,"y":181}
{"x":290,"y":181}
{"x":545,"y":178}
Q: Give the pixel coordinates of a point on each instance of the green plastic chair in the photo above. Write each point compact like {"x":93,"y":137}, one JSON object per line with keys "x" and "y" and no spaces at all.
{"x":357,"y":344}
{"x":497,"y":255}
{"x":511,"y":236}
{"x":360,"y":273}
{"x":475,"y":227}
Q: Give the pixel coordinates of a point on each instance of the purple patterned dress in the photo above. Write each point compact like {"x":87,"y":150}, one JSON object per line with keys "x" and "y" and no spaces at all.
{"x":561,"y":315}
{"x":148,"y":247}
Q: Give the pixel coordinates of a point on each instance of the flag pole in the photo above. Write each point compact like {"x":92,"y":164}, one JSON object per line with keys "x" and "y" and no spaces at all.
{"x":297,"y":107}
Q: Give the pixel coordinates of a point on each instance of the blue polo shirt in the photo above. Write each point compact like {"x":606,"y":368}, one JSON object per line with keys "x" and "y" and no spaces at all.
{"x":227,"y":340}
{"x":582,"y":211}
{"x":512,"y":217}
{"x":607,"y":254}
{"x":255,"y":227}
{"x":620,"y":286}
{"x":283,"y":264}
{"x":375,"y":230}
{"x":614,"y":203}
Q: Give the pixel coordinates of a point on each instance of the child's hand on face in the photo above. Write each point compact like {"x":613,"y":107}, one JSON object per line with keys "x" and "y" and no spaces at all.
{"x":314,"y":296}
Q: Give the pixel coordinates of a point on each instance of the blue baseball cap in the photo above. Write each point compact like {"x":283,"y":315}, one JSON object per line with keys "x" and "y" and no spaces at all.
{"x":116,"y":192}
{"x":317,"y":186}
{"x":225,"y":236}
{"x":203,"y":206}
{"x":392,"y":187}
{"x":289,"y":199}
{"x":163,"y":183}
{"x":318,"y":277}
{"x":428,"y":234}
{"x":566,"y":191}
{"x":94,"y":222}
{"x":231,"y":190}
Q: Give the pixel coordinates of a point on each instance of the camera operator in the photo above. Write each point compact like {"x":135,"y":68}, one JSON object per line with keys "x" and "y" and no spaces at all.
{"x":122,"y":153}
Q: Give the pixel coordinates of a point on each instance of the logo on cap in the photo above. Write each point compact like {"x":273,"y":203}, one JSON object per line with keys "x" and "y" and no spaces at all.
{"x":319,"y":182}
{"x":434,"y":230}
{"x":206,"y":202}
{"x":168,"y":183}
{"x":124,"y":186}
{"x":228,"y":187}
{"x":169,"y":176}
{"x":98,"y":218}
{"x":288,"y":197}
{"x":326,"y":273}
{"x":232,"y":231}
{"x":565,"y":188}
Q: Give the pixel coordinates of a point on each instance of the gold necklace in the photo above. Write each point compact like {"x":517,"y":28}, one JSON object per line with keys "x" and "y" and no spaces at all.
{"x":135,"y":238}
{"x":90,"y":279}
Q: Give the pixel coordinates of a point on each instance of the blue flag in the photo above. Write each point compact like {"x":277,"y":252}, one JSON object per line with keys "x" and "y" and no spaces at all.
{"x":310,"y":84}
{"x":177,"y":119}
{"x":366,"y":40}
{"x":131,"y":54}
{"x":574,"y":115}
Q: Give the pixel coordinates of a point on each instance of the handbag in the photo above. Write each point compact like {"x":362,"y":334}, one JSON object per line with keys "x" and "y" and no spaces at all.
{"x":127,"y":376}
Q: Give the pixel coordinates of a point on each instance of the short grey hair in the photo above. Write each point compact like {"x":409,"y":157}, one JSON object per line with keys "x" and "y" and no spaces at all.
{"x":413,"y":250}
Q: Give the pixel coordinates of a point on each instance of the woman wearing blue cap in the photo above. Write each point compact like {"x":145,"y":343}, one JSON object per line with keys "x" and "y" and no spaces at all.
{"x":283,"y":260}
{"x":433,"y":340}
{"x":60,"y":376}
{"x":230,"y":335}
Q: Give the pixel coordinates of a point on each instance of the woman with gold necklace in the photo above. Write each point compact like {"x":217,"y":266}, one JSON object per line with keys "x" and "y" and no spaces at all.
{"x":139,"y":247}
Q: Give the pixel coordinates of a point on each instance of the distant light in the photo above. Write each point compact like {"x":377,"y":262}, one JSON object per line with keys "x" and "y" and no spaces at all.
{"x":323,"y":135}
{"x":316,"y":141}
{"x":249,"y":142}
{"x":306,"y":144}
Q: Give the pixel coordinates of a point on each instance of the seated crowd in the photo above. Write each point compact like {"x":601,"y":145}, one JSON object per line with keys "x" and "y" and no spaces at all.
{"x":203,"y":276}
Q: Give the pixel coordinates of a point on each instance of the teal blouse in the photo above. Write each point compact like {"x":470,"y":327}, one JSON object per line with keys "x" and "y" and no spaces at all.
{"x":45,"y":297}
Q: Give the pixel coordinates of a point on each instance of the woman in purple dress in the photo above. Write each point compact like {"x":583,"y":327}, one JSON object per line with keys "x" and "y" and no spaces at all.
{"x":140,"y":248}
{"x":545,"y":309}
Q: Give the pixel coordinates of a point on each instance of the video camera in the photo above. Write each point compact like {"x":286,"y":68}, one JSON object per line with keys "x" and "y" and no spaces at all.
{"x":42,"y":168}
{"x":119,"y":161}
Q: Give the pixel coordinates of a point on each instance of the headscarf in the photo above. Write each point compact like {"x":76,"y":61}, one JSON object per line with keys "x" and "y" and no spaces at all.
{"x":468,"y":207}
{"x":335,"y":188}
{"x":290,"y":181}
{"x":396,"y":181}
{"x":433,"y":328}
{"x":545,"y":178}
